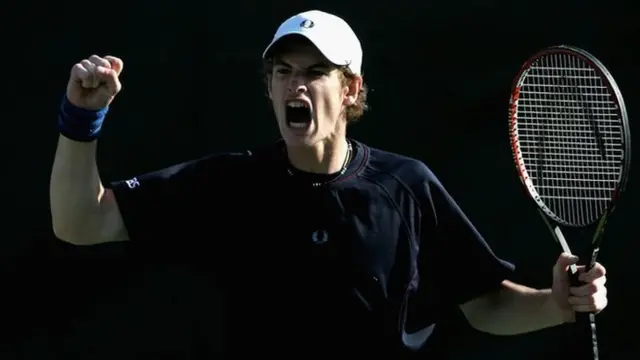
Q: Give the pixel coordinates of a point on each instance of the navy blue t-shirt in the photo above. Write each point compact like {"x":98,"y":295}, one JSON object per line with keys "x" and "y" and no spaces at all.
{"x":369,"y":263}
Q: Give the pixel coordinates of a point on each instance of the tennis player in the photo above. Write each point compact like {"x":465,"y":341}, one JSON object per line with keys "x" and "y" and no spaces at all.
{"x":322,"y":243}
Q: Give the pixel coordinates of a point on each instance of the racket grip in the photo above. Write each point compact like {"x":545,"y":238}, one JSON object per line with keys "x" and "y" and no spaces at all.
{"x":581,"y":317}
{"x":584,"y":329}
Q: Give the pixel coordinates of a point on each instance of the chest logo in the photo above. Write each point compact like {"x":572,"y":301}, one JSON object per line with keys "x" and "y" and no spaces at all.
{"x":319,"y":237}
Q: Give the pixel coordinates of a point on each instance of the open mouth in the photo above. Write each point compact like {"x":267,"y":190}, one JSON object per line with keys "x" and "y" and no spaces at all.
{"x":298,"y":114}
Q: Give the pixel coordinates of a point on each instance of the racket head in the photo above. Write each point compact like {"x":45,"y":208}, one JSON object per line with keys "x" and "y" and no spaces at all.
{"x":570,"y":135}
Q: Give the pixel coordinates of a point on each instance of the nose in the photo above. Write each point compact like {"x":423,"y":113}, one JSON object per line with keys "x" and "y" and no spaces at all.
{"x":297,"y":85}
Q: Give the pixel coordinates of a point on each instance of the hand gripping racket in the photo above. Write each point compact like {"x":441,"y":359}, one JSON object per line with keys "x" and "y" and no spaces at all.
{"x":571,"y":143}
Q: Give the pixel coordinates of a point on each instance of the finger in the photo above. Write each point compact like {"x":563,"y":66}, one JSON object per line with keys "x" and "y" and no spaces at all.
{"x":116,"y":63}
{"x":92,"y":81}
{"x":581,"y":300}
{"x":584,"y":308}
{"x":562,"y":265}
{"x":109,"y":77}
{"x":87,"y":64}
{"x":98,"y":61}
{"x":583,"y":290}
{"x":80,"y":74}
{"x":87,"y":80}
{"x":597,"y":272}
{"x":95,"y":80}
{"x":592,"y":277}
{"x":588,"y":288}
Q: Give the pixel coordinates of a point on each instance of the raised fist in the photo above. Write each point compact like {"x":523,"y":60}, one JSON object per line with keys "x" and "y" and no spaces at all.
{"x":94,"y":82}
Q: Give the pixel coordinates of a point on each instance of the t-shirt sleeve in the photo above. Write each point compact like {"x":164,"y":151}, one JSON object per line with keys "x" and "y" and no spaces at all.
{"x":170,"y":202}
{"x":455,"y":261}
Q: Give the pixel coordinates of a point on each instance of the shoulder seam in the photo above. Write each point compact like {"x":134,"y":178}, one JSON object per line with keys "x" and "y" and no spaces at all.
{"x":390,"y":198}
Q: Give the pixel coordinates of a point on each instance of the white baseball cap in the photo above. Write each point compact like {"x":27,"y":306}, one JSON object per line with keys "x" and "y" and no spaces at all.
{"x":333,"y":37}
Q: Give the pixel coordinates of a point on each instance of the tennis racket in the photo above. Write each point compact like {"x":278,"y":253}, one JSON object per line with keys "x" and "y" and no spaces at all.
{"x":571,"y":143}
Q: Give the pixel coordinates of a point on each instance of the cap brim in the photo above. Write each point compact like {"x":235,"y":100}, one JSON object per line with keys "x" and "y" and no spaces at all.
{"x":267,"y":52}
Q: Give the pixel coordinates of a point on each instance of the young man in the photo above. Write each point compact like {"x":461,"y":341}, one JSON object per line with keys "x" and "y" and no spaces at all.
{"x":322,"y":243}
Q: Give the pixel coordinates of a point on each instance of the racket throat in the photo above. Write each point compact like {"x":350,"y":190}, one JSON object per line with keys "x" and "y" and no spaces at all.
{"x":559,"y":237}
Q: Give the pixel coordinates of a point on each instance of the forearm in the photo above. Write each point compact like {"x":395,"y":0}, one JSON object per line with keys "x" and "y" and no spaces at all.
{"x":75,"y":191}
{"x":515,"y":309}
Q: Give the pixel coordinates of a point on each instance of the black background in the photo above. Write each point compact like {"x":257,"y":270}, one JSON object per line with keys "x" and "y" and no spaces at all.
{"x":440,"y":74}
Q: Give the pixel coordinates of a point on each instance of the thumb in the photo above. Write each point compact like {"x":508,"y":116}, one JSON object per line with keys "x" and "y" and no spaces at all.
{"x":562,"y":265}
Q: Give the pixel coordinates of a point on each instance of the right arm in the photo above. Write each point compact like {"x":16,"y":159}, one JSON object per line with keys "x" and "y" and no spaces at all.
{"x":83,"y":212}
{"x":165,"y":203}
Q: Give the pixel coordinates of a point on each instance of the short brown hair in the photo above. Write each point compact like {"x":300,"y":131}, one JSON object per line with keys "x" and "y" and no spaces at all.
{"x":353,"y":112}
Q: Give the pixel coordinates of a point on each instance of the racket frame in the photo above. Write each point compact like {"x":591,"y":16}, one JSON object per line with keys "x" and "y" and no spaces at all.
{"x":547,"y":215}
{"x":518,"y":158}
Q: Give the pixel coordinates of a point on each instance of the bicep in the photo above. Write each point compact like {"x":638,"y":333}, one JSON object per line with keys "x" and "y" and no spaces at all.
{"x":106,"y":223}
{"x":477,"y":307}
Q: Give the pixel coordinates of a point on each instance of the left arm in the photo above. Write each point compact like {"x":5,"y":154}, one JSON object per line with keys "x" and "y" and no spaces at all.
{"x":480,"y":288}
{"x":517,"y":309}
{"x":513,"y":309}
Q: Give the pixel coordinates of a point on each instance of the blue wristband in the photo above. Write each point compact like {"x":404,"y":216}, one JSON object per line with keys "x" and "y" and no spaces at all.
{"x":80,"y":124}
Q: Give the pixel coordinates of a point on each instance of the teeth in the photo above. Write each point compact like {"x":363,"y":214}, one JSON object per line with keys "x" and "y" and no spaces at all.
{"x":298,"y":125}
{"x":297,"y":104}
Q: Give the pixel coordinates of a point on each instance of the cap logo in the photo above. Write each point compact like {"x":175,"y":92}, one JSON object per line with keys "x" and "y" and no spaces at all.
{"x":307,"y":24}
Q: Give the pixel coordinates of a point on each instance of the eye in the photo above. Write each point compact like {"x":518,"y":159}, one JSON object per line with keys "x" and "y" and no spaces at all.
{"x":317,"y":73}
{"x":282,"y":71}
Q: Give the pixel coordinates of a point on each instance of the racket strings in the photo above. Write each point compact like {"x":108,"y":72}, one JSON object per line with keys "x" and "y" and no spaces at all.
{"x":570,"y":136}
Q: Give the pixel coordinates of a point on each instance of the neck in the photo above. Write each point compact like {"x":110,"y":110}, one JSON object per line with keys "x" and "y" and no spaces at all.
{"x":326,"y":157}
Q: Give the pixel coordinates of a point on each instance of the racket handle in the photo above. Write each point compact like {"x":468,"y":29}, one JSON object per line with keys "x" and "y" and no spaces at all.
{"x":581,"y":317}
{"x":585,"y":326}
{"x":576,"y":282}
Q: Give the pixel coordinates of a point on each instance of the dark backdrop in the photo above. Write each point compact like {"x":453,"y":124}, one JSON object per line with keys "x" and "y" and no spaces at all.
{"x":440,"y":74}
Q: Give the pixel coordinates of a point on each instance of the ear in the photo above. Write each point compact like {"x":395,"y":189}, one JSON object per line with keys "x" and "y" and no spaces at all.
{"x":352,"y":90}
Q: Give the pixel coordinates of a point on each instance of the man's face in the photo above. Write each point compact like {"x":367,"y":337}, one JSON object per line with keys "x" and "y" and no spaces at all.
{"x":308,"y":96}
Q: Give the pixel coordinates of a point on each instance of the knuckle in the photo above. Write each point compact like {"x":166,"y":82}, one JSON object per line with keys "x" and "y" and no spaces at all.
{"x":78,"y":71}
{"x":113,"y":60}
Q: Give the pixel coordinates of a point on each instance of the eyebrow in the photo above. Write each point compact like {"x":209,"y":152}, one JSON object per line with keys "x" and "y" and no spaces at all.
{"x":323,"y":65}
